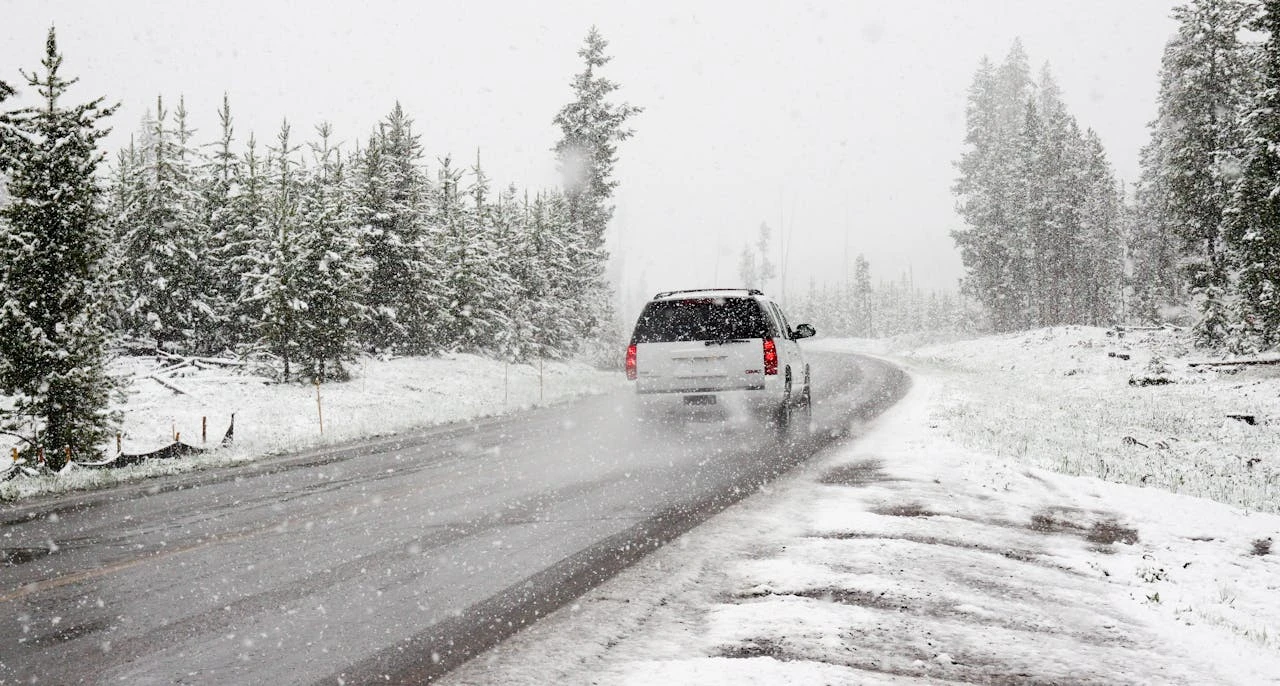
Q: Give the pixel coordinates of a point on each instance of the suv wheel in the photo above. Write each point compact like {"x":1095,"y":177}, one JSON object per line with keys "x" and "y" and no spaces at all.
{"x":782,"y":414}
{"x":803,"y":416}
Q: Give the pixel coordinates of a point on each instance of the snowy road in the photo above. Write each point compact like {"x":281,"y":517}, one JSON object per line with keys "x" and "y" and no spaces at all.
{"x":400,"y":558}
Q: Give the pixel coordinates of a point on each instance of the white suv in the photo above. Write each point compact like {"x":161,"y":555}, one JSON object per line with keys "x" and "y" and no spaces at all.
{"x":724,"y":349}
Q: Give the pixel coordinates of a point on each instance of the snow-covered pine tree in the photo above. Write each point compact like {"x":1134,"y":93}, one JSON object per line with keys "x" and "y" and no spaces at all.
{"x":204,"y":311}
{"x":591,"y":127}
{"x":218,"y":189}
{"x":119,"y":195}
{"x":1255,"y":222}
{"x":1153,"y":250}
{"x":53,"y":244}
{"x":864,"y":321}
{"x":240,"y":254}
{"x":458,"y":282}
{"x":330,"y":275}
{"x":506,"y":228}
{"x":1203,"y":85}
{"x":480,"y":282}
{"x":766,"y":269}
{"x":992,"y":245}
{"x":276,"y":276}
{"x":379,"y":245}
{"x":164,"y":240}
{"x":1026,"y":240}
{"x":1100,"y":264}
{"x":1038,"y":201}
{"x":539,"y":319}
{"x":748,"y":273}
{"x":7,"y":135}
{"x":1060,"y":255}
{"x":558,"y":317}
{"x":392,"y":205}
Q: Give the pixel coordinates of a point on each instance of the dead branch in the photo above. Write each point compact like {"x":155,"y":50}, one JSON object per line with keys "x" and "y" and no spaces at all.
{"x":167,"y":384}
{"x":1233,"y":363}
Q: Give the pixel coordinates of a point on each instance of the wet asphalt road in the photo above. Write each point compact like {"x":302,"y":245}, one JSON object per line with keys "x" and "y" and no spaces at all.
{"x":390,"y":561}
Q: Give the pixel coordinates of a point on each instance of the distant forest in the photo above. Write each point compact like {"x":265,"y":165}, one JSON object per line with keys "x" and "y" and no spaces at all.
{"x":1051,"y":237}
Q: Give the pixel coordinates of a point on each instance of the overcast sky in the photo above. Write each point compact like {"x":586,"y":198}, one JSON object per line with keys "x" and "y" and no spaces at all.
{"x":836,"y":121}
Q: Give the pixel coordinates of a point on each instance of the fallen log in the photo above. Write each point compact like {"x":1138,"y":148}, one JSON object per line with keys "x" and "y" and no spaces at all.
{"x":1233,"y":363}
{"x":167,"y":384}
{"x":222,"y":362}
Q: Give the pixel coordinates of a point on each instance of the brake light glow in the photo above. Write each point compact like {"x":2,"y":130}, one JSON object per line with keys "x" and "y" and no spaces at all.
{"x":631,"y":362}
{"x":770,"y":357}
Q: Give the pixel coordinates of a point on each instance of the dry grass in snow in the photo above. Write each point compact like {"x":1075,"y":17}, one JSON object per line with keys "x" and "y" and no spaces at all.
{"x":1061,"y":399}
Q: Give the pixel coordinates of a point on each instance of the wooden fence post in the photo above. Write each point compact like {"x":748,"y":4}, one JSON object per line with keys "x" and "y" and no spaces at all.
{"x":319,"y":407}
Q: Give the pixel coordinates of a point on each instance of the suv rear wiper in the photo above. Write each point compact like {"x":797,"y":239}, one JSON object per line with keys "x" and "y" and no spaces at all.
{"x":727,"y":340}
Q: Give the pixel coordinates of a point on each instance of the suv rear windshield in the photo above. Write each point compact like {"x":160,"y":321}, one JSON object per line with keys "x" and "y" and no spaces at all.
{"x":700,"y":319}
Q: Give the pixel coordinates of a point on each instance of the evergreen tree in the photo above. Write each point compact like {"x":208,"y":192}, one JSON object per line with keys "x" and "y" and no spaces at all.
{"x":53,"y":245}
{"x":277,"y":280}
{"x":558,"y":320}
{"x":1255,"y":222}
{"x":1153,"y":248}
{"x":480,"y":280}
{"x":1041,"y":244}
{"x":1099,"y":267}
{"x":506,"y":226}
{"x":992,"y":246}
{"x":460,"y":277}
{"x":1204,"y":79}
{"x":864,"y":323}
{"x":164,"y":239}
{"x":218,"y":189}
{"x":591,"y":127}
{"x":1028,"y":236}
{"x":243,"y":250}
{"x":542,"y":323}
{"x":119,"y":196}
{"x":330,"y":275}
{"x":393,"y":210}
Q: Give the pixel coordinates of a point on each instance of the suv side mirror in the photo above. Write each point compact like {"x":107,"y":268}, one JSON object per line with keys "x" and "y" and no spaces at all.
{"x":803,"y":331}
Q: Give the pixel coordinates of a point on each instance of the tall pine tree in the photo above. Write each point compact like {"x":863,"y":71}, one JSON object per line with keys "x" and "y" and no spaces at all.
{"x":330,"y":275}
{"x":1255,"y":224}
{"x":1204,"y":82}
{"x":164,"y":240}
{"x":53,"y":244}
{"x":276,"y":280}
{"x":591,"y":127}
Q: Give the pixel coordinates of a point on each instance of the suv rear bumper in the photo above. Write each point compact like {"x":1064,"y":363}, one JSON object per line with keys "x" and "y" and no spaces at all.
{"x":712,"y":404}
{"x":688,"y":391}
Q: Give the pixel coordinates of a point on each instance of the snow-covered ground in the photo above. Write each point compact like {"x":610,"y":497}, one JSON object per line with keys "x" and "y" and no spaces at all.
{"x":967,"y":536}
{"x":385,"y":397}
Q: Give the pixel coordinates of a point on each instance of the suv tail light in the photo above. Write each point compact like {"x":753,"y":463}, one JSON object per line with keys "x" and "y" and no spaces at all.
{"x":770,"y":357}
{"x":631,"y":362}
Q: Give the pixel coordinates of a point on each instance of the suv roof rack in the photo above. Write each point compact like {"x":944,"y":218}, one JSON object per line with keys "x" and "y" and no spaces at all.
{"x":749,"y":291}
